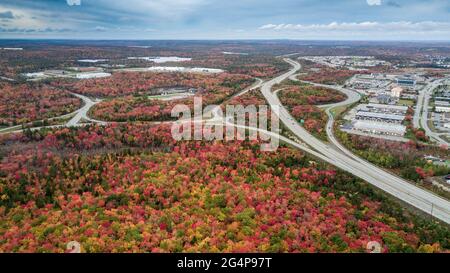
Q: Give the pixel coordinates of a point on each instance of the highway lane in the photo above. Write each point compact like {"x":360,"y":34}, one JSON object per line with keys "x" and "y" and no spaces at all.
{"x":18,"y":127}
{"x":425,"y":96}
{"x":418,"y":110}
{"x":75,"y":121}
{"x":352,"y":96}
{"x":254,"y":86}
{"x":344,"y":159}
{"x":397,"y":187}
{"x":82,"y":113}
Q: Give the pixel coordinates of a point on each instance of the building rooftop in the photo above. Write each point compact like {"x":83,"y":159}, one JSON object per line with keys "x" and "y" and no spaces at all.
{"x":380,"y":127}
{"x":386,"y":106}
{"x":380,"y":115}
{"x":442,"y":103}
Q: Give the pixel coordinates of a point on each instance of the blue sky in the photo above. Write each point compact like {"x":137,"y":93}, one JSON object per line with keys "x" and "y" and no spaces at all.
{"x":229,"y":19}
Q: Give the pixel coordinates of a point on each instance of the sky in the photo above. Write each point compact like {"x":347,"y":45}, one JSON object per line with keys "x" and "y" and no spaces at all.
{"x":226,"y":19}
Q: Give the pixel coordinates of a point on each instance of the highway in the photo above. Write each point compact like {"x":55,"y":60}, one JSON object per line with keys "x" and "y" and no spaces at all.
{"x":17,"y":128}
{"x":352,"y":96}
{"x":422,"y":112}
{"x":344,"y":159}
{"x":254,"y":86}
{"x":82,"y":113}
{"x":418,"y":110}
{"x":334,"y":154}
{"x":78,"y":116}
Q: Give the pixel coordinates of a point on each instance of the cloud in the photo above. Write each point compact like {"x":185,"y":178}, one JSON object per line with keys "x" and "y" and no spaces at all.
{"x":403,"y":26}
{"x":73,"y":2}
{"x":393,"y":4}
{"x":268,"y":26}
{"x":35,"y":30}
{"x":374,"y":2}
{"x":7,"y":15}
{"x":26,"y":18}
{"x":101,"y":29}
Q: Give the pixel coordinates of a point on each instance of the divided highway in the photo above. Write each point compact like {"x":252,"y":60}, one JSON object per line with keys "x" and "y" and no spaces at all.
{"x":344,"y":159}
{"x":334,"y":154}
{"x":78,"y":116}
{"x":82,"y":113}
{"x":421,"y":113}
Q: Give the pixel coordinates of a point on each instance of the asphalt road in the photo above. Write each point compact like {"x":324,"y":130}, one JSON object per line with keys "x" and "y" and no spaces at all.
{"x":344,"y":159}
{"x":336,"y":155}
{"x":422,"y":112}
{"x":78,"y":116}
{"x":82,"y":113}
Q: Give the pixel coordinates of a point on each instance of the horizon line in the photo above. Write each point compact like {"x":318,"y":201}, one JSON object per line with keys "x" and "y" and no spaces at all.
{"x":229,"y":39}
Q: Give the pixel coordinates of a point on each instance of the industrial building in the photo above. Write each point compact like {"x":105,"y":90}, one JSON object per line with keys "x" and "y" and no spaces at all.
{"x":385,"y":99}
{"x":442,"y":98}
{"x":396,"y":92}
{"x":442,"y":103}
{"x":441,"y":121}
{"x":378,"y":120}
{"x":380,"y":128}
{"x":406,"y":81}
{"x":383,"y":108}
{"x":92,"y":75}
{"x":442,"y":109}
{"x":380,"y":117}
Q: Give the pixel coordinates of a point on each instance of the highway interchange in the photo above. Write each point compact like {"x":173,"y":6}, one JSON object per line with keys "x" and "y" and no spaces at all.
{"x":346,"y":160}
{"x":422,"y":112}
{"x":333,"y":152}
{"x":75,"y":120}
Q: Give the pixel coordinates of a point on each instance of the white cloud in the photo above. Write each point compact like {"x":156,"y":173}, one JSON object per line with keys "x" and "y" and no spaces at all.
{"x":100,"y":28}
{"x":268,"y":26}
{"x":31,"y":19}
{"x":73,"y":2}
{"x":374,"y":2}
{"x":402,"y":26}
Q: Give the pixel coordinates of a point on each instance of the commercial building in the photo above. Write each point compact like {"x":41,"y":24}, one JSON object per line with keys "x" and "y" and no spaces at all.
{"x":407,"y":96}
{"x":441,"y":103}
{"x":385,"y":99}
{"x":380,"y":117}
{"x":92,"y":75}
{"x":12,"y":48}
{"x":381,"y":113}
{"x":409,"y":82}
{"x":396,"y":92}
{"x":383,"y":108}
{"x":377,"y":120}
{"x":380,"y":128}
{"x":442,"y":109}
{"x":442,"y":98}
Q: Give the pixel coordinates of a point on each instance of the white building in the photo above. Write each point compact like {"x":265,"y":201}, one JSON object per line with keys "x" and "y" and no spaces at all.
{"x":388,"y":108}
{"x":92,"y":75}
{"x":13,"y":48}
{"x":396,"y":92}
{"x":442,"y":109}
{"x":380,"y":117}
{"x":380,"y":128}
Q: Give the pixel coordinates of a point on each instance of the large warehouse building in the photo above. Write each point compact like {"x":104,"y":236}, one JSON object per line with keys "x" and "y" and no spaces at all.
{"x":381,"y":117}
{"x":380,"y":128}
